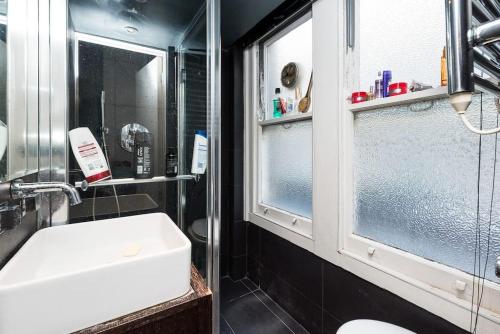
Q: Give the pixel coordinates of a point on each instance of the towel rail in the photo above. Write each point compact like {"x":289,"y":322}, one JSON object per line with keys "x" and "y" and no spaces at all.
{"x":84,"y":185}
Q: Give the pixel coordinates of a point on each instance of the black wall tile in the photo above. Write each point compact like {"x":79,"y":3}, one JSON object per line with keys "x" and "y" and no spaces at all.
{"x":253,"y":252}
{"x":239,"y":244}
{"x":297,"y":266}
{"x":322,"y":296}
{"x":237,"y":203}
{"x":349,"y":297}
{"x":12,"y":240}
{"x":238,"y":267}
{"x":233,"y":252}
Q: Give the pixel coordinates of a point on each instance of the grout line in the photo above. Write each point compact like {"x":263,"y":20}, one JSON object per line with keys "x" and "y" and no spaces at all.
{"x":278,"y":306}
{"x":273,"y":313}
{"x":227,"y":322}
{"x":249,"y":288}
{"x":232,"y":300}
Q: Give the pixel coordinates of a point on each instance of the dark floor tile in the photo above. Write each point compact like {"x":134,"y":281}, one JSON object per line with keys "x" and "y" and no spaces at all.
{"x":249,"y":284}
{"x":293,"y":301}
{"x":330,"y":323}
{"x":224,"y":327}
{"x":230,"y":290}
{"x":248,"y":315}
{"x":290,"y":322}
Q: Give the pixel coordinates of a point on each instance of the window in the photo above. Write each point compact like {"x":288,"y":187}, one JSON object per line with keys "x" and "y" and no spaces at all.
{"x":415,"y":179}
{"x":410,"y":169}
{"x":280,"y":183}
{"x":286,"y":167}
{"x":408,"y":39}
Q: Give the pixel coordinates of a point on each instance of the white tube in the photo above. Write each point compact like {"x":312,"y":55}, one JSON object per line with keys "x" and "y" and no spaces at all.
{"x":476,"y":130}
{"x":460,"y":103}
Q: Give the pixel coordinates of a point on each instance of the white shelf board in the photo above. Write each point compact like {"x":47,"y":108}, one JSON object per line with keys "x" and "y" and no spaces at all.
{"x":286,"y":119}
{"x":424,"y":95}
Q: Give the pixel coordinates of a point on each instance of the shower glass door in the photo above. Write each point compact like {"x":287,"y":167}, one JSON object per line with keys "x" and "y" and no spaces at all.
{"x":127,"y":66}
{"x":193,"y":119}
{"x":149,"y":66}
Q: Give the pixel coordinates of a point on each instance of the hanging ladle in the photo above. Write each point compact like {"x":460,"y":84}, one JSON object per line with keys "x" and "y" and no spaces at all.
{"x":305,"y":102}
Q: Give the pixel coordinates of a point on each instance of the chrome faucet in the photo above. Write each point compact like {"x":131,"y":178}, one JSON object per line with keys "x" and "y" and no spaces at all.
{"x":20,"y":190}
{"x":17,"y":198}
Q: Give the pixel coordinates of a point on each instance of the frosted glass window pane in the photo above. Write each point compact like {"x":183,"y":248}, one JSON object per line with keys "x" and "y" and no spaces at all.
{"x":286,"y":166}
{"x":406,"y":37}
{"x":295,"y":46}
{"x":415,"y":179}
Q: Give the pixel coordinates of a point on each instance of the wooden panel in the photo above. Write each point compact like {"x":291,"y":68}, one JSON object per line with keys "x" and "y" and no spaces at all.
{"x":189,"y":314}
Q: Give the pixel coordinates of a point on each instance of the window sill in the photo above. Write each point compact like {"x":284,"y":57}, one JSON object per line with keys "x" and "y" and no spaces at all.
{"x":283,"y":230}
{"x":397,"y":271}
{"x":425,"y":95}
{"x":287,"y":119}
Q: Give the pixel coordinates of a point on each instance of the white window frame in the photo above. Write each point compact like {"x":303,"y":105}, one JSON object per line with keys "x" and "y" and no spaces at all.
{"x":425,"y":283}
{"x":293,"y":227}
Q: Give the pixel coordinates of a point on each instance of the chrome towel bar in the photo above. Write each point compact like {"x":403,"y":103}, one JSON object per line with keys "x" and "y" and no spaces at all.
{"x":84,"y":185}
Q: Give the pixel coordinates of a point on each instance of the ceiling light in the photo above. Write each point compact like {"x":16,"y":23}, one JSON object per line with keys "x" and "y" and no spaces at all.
{"x":131,"y":30}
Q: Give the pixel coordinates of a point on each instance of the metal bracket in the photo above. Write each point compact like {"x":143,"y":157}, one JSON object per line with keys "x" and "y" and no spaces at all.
{"x":10,"y":216}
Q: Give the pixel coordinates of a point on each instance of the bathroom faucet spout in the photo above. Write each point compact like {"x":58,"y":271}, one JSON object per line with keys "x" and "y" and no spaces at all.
{"x":20,"y":190}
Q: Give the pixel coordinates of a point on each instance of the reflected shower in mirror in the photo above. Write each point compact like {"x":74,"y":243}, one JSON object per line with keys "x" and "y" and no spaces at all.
{"x":138,"y":72}
{"x":120,"y":97}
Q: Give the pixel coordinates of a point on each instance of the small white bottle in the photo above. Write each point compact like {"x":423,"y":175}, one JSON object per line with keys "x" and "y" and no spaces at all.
{"x":200,"y":153}
{"x":89,"y":155}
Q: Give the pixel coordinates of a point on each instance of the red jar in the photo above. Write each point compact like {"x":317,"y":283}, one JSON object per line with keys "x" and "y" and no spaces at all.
{"x":398,"y":88}
{"x":358,"y":97}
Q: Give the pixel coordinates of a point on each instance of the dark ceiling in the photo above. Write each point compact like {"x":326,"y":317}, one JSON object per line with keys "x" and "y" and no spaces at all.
{"x":162,"y":23}
{"x":239,"y":16}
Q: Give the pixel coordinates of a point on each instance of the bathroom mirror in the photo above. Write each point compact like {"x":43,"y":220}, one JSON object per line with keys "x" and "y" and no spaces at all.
{"x":138,"y":82}
{"x":18,"y":88}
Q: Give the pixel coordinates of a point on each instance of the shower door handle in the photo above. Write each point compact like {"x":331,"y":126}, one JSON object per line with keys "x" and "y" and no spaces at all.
{"x":350,"y":23}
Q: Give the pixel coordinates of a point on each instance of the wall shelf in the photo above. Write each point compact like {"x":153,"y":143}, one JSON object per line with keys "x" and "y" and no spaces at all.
{"x":424,"y":95}
{"x":84,"y":185}
{"x":286,"y":119}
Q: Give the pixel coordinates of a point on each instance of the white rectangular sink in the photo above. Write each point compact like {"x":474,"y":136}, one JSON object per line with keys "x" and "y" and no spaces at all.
{"x":70,"y":277}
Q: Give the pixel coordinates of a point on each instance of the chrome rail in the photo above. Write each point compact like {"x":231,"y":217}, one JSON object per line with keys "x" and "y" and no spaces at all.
{"x":84,"y":185}
{"x":469,"y":45}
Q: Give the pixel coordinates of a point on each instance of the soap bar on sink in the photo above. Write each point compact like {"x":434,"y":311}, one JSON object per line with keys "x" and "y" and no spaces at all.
{"x":132,"y":250}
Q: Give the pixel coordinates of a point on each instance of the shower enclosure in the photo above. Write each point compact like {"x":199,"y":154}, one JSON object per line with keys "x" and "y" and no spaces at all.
{"x":121,"y":69}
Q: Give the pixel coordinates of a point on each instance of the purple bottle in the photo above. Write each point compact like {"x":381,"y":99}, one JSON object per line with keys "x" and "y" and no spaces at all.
{"x":378,"y":89}
{"x":386,"y":80}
